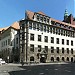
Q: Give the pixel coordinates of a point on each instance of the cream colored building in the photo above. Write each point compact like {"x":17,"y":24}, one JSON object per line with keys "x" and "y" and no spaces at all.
{"x":44,"y":39}
{"x":9,"y":43}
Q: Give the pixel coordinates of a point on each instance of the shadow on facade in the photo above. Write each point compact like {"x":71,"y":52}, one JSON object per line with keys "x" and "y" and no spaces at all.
{"x":12,"y":51}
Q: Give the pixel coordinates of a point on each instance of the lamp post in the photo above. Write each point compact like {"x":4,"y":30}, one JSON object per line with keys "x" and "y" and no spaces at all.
{"x":8,"y":58}
{"x":9,"y":53}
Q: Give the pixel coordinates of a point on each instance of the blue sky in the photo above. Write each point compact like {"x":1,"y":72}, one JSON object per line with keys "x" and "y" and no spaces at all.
{"x":14,"y":10}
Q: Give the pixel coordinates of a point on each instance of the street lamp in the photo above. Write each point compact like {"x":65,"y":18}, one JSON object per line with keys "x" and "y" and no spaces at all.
{"x":9,"y":52}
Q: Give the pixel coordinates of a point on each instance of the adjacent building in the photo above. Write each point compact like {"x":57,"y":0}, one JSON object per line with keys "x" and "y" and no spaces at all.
{"x":9,"y":43}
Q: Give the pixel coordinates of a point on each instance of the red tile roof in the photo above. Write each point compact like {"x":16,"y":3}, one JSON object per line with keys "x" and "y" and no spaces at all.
{"x":40,"y":12}
{"x":3,"y":28}
{"x":30,"y":15}
{"x":14,"y":25}
{"x":64,"y":23}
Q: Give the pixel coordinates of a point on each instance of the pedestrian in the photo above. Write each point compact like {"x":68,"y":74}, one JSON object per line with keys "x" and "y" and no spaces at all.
{"x":22,"y":62}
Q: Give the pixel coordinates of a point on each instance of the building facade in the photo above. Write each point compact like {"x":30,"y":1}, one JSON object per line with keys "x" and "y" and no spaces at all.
{"x":9,"y":43}
{"x":44,"y":39}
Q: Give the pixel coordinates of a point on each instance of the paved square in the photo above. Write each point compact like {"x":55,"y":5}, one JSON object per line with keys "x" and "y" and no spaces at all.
{"x":50,"y":69}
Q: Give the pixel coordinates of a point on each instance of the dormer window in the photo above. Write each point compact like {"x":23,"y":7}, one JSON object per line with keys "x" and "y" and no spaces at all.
{"x":57,"y":24}
{"x":52,"y":22}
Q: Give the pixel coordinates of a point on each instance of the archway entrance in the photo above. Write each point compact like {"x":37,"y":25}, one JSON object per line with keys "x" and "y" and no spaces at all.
{"x":43,"y":59}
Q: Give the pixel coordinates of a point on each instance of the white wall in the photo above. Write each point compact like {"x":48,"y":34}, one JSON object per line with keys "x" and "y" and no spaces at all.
{"x":49,"y":44}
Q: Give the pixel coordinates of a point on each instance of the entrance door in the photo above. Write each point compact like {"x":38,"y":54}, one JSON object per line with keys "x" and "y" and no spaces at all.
{"x":42,"y":59}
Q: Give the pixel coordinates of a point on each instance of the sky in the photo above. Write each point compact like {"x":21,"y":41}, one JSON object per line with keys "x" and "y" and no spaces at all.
{"x":14,"y":10}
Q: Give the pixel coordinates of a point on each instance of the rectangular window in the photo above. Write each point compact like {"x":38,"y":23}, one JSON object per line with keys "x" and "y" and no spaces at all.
{"x":6,"y":42}
{"x":47,"y":29}
{"x":46,"y":49}
{"x":47,"y":20}
{"x":44,"y":19}
{"x":71,"y":51}
{"x":23,"y":26}
{"x":39,"y":37}
{"x":52,"y":39}
{"x":68,"y":50}
{"x":51,"y":29}
{"x":16,"y":40}
{"x":38,"y":27}
{"x":41,"y":19}
{"x":63,"y":50}
{"x":46,"y":38}
{"x":71,"y":43}
{"x":37,"y":17}
{"x":30,"y":25}
{"x":44,"y":28}
{"x":57,"y":40}
{"x":52,"y":49}
{"x":32,"y":37}
{"x":23,"y":36}
{"x":23,"y":47}
{"x":57,"y":49}
{"x":34,"y":26}
{"x":41,"y":27}
{"x":32,"y":47}
{"x":39,"y":48}
{"x":67,"y":42}
{"x":63,"y":41}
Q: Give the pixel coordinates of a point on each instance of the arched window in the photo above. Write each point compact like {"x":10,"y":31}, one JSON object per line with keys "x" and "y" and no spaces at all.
{"x":52,"y":59}
{"x":63,"y":59}
{"x":67,"y":59}
{"x":57,"y":59}
{"x":71,"y":59}
{"x":31,"y":58}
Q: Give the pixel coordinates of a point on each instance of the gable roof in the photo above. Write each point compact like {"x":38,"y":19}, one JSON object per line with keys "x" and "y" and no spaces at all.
{"x":15,"y":25}
{"x":40,"y":12}
{"x":30,"y":15}
{"x":3,"y":28}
